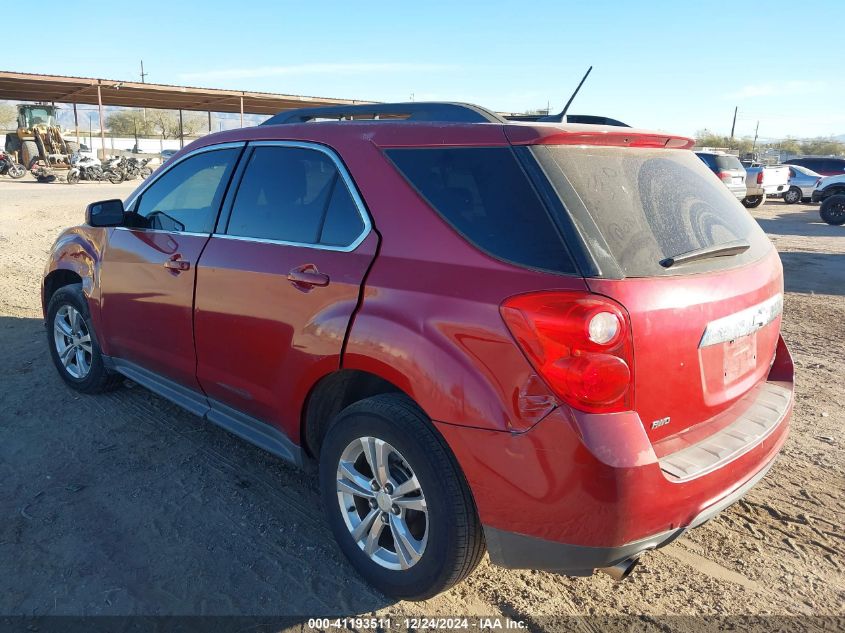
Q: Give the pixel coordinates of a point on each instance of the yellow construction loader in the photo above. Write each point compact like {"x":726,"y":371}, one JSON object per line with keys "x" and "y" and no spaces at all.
{"x":39,"y":142}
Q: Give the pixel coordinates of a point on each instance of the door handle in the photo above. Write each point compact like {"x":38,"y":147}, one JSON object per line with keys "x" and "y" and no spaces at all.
{"x":177,"y":264}
{"x":307,"y":277}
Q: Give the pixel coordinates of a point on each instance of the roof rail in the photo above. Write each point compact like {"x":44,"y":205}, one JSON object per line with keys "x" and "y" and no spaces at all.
{"x":591,"y":119}
{"x":414,"y":111}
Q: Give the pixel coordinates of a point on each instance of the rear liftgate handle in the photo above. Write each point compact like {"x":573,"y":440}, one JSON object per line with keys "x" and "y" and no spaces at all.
{"x":307,"y":277}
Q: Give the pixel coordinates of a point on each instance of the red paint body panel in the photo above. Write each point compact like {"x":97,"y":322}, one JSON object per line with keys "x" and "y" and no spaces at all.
{"x":147,"y":309}
{"x":261,"y":342}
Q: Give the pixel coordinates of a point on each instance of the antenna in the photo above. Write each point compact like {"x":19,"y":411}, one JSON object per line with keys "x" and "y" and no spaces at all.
{"x":560,"y":117}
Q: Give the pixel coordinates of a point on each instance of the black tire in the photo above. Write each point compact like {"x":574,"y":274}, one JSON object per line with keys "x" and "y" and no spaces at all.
{"x":72,"y":176}
{"x":455,"y":541}
{"x":832,"y":210}
{"x":29,"y":154}
{"x":792,"y":195}
{"x":114,"y":177}
{"x":145,"y":172}
{"x":752,"y":202}
{"x":97,"y":379}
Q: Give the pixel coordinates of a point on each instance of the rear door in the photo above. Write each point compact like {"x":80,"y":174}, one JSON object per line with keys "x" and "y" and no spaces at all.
{"x":704,"y":329}
{"x":149,"y":267}
{"x":279,"y":280}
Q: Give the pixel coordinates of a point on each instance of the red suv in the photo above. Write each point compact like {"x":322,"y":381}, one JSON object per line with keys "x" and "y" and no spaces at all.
{"x":558,"y":343}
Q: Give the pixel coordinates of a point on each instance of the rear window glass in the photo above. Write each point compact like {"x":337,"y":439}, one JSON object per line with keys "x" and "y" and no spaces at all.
{"x":650,"y":204}
{"x":728,"y":162}
{"x":484,"y":194}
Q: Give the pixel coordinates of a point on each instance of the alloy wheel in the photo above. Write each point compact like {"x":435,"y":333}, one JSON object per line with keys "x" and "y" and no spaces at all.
{"x":382,"y":503}
{"x":73,"y":341}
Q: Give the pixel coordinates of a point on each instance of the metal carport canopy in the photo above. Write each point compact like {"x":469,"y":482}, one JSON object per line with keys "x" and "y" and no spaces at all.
{"x":56,"y":88}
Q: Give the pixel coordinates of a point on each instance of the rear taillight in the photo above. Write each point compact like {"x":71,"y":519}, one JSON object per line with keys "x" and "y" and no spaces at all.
{"x":724,"y":176}
{"x":579,"y":343}
{"x":760,"y":177}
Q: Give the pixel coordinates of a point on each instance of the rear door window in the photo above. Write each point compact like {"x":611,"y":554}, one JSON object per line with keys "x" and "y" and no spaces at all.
{"x":648,"y":205}
{"x":295,"y":195}
{"x":485,"y":196}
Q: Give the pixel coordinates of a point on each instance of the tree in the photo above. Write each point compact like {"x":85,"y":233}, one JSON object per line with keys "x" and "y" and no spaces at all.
{"x":129,"y":123}
{"x":822,"y":146}
{"x":790,"y":145}
{"x":8,"y":116}
{"x":166,"y":123}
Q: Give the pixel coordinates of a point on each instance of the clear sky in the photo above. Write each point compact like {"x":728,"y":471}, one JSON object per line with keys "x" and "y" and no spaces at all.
{"x":678,"y":66}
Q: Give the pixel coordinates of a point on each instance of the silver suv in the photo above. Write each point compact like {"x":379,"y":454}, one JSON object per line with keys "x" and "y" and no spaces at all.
{"x":729,"y":170}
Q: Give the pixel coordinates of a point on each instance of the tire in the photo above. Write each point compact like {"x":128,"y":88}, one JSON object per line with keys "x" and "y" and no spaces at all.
{"x":17,"y":171}
{"x":72,"y":147}
{"x":146,"y":172}
{"x":85,"y":373}
{"x":72,"y":176}
{"x":752,"y":202}
{"x":832,"y":210}
{"x":792,"y":195}
{"x":113,"y":177}
{"x":449,"y":542}
{"x":29,"y":153}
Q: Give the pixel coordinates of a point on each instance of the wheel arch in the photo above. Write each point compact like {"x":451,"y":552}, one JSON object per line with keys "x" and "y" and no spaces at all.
{"x":333,"y":393}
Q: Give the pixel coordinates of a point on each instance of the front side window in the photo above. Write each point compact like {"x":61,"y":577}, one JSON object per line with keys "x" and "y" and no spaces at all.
{"x":187,"y":197}
{"x":294,"y":194}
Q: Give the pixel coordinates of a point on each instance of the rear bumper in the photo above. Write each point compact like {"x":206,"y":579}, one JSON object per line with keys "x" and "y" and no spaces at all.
{"x":517,"y":551}
{"x":580,"y":492}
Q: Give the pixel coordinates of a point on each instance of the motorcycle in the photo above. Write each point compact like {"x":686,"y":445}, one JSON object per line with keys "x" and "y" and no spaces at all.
{"x":135,"y":167}
{"x":8,"y":167}
{"x":89,"y":168}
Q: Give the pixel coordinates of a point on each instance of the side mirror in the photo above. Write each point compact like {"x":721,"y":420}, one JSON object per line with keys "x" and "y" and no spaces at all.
{"x":105,"y":213}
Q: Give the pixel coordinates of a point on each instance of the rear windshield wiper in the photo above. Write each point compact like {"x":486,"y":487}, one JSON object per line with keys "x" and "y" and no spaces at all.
{"x":717,"y":250}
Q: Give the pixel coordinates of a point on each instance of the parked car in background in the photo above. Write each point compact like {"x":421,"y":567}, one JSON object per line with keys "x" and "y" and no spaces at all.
{"x":825,"y":166}
{"x":729,"y":170}
{"x":560,"y":343}
{"x":831,"y":193}
{"x":802,"y":182}
{"x":762,"y":181}
{"x":166,"y":154}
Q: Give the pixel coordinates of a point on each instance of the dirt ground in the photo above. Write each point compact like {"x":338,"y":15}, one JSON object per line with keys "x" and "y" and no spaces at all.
{"x":125,"y":504}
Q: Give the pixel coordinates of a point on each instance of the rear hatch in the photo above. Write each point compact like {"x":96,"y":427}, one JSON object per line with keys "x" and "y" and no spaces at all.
{"x":700,"y":280}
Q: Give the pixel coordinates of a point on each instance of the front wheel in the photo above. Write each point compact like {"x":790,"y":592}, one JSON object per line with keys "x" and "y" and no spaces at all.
{"x":73,"y":343}
{"x":396,"y":500}
{"x":17,"y":171}
{"x":792,"y":196}
{"x":146,"y":172}
{"x":72,"y":177}
{"x":752,"y":202}
{"x":114,"y":177}
{"x":832,"y":210}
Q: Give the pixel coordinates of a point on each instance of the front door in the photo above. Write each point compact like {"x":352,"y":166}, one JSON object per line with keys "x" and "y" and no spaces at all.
{"x":149,"y":267}
{"x":278,"y":282}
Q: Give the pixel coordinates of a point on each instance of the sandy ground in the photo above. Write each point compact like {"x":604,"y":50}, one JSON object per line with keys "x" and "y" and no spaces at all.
{"x":125,"y":504}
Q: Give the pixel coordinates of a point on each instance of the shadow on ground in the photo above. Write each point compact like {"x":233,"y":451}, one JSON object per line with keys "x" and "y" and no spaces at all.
{"x":125,"y":504}
{"x":818,"y":273}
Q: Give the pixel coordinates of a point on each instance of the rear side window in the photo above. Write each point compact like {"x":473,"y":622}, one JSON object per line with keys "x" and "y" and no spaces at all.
{"x":292,"y":194}
{"x":650,"y":204}
{"x":486,"y":197}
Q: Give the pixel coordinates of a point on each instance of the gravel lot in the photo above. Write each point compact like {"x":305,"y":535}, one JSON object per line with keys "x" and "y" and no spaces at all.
{"x":125,"y":504}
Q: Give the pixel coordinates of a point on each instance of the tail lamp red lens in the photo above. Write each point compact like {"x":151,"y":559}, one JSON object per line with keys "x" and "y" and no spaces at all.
{"x":580,"y":344}
{"x":760,"y":177}
{"x":724,"y":176}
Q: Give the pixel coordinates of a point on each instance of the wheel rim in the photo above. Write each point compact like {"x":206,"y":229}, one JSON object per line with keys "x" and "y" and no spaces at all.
{"x":836,"y":211}
{"x":73,"y":341}
{"x":382,"y":503}
{"x":791,"y":196}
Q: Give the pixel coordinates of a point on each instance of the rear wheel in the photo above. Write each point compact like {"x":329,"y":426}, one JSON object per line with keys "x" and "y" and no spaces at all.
{"x":113,"y":177}
{"x":752,"y":202}
{"x":792,"y":196}
{"x":29,"y":153}
{"x":73,"y":343}
{"x":396,"y":500}
{"x":832,"y":210}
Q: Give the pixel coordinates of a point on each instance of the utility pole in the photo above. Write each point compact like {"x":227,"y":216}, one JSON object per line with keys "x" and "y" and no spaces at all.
{"x":143,"y":77}
{"x":733,"y":125}
{"x":754,"y":144}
